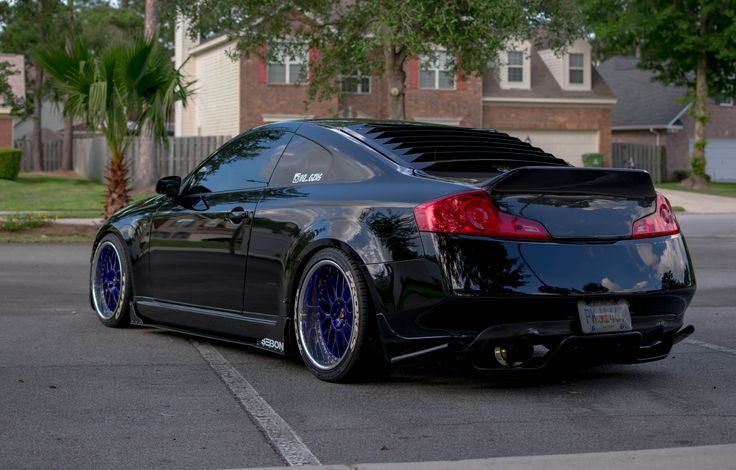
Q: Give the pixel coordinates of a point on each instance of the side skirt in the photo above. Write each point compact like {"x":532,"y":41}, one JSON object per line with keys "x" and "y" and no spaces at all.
{"x":252,"y":329}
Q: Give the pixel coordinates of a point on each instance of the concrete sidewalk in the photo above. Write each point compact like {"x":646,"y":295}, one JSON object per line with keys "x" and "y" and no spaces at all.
{"x":695,"y":203}
{"x":88,"y":221}
{"x":95,"y":221}
{"x":719,"y":457}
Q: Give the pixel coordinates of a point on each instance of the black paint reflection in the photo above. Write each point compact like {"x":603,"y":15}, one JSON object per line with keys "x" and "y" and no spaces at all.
{"x":580,"y":216}
{"x":396,"y":231}
{"x":480,"y":265}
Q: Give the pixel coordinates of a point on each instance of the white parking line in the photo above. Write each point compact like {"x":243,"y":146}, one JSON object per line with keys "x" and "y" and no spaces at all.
{"x":714,"y":347}
{"x":277,"y":431}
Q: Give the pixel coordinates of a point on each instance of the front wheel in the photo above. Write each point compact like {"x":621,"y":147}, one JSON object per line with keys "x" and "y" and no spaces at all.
{"x":110,"y":282}
{"x":333,"y":319}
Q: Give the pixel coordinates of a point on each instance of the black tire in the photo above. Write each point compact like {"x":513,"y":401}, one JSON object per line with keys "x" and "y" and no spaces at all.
{"x":327,"y":349}
{"x":111,"y":311}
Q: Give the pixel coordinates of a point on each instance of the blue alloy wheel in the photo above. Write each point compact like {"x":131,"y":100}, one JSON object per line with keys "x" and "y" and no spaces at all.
{"x":327,"y":315}
{"x":108,"y":281}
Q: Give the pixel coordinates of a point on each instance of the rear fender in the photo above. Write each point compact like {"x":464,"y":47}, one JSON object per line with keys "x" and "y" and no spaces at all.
{"x":384,"y":236}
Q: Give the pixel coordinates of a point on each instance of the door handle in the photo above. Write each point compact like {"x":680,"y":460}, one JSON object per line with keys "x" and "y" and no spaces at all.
{"x":237,"y":215}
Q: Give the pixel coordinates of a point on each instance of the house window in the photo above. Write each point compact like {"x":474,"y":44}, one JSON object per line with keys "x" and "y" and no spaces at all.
{"x":515,"y":67}
{"x":577,"y":68}
{"x":355,"y":83}
{"x":435,"y":73}
{"x":287,"y":66}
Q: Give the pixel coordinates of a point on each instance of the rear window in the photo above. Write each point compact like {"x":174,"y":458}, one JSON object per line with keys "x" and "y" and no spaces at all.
{"x":453,"y":152}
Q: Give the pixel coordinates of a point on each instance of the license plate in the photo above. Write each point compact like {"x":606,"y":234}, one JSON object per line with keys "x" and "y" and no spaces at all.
{"x":604,"y":316}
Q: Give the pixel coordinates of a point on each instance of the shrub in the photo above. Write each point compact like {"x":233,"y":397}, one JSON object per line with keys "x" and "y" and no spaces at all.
{"x":9,"y":163}
{"x":593,"y":160}
{"x":680,"y":173}
{"x":17,"y":222}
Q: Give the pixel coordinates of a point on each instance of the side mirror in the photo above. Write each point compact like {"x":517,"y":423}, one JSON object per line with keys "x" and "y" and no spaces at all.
{"x":169,"y":185}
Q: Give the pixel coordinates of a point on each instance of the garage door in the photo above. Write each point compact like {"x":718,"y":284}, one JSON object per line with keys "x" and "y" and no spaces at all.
{"x":568,"y":145}
{"x":720,"y":159}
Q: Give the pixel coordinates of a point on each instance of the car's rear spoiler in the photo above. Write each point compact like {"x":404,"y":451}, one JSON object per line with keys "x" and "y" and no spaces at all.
{"x":570,"y":180}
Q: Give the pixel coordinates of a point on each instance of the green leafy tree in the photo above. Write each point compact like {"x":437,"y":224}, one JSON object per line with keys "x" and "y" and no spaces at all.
{"x":689,"y":43}
{"x":99,"y":25}
{"x":27,"y":27}
{"x":381,"y":36}
{"x":19,"y":106}
{"x":115,"y":91}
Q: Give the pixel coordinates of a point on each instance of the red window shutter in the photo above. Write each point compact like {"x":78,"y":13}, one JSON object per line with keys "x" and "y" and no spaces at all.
{"x":262,"y":71}
{"x":460,"y":79}
{"x":313,"y":55}
{"x":313,"y":60}
{"x":413,"y":72}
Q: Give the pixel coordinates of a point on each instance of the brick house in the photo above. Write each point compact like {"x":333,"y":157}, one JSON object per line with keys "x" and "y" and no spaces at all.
{"x":561,"y":105}
{"x":651,"y":113}
{"x":17,"y":83}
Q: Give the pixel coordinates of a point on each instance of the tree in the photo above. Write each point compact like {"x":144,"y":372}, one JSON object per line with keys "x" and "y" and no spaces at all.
{"x":689,"y":43}
{"x":116,"y":91}
{"x":19,"y":106}
{"x":381,"y":36}
{"x":27,"y":27}
{"x":99,"y":25}
{"x":146,"y":172}
{"x":67,"y":163}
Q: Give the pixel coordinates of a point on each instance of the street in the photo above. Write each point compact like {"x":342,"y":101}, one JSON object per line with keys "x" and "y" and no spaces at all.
{"x":75,"y":394}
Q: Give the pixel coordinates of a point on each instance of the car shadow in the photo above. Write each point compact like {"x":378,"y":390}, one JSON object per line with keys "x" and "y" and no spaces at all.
{"x":450,"y":370}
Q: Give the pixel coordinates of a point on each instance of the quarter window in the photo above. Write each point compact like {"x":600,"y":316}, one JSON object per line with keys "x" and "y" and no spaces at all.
{"x":577,"y":68}
{"x":288,"y":67}
{"x":434,"y":73}
{"x":304,"y":161}
{"x":515,"y":67}
{"x":244,"y":163}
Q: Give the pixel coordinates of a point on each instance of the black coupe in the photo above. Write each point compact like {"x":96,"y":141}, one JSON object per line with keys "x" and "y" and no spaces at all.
{"x":363,"y":244}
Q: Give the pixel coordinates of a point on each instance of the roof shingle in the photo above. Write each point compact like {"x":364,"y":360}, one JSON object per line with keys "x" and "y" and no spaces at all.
{"x":642,"y":102}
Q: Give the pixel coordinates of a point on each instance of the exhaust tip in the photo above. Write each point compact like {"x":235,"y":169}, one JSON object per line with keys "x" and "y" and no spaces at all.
{"x":513,"y":355}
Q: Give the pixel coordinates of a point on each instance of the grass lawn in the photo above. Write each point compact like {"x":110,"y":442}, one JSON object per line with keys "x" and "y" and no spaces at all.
{"x":63,"y":196}
{"x":716,"y":189}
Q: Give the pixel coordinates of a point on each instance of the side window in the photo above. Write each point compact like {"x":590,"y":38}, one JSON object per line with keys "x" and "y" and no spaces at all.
{"x":242,"y":164}
{"x":304,"y":161}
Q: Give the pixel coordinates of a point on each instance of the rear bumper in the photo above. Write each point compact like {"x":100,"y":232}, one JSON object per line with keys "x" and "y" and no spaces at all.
{"x":651,"y":339}
{"x":471,"y":294}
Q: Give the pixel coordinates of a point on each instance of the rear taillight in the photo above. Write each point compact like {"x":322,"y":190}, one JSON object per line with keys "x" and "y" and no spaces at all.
{"x":662,"y":222}
{"x":474,"y":213}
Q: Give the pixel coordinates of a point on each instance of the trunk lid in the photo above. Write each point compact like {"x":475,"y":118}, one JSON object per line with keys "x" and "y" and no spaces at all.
{"x":575,"y":203}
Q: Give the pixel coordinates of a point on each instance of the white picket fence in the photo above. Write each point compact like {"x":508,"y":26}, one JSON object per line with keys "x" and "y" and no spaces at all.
{"x":91,"y":155}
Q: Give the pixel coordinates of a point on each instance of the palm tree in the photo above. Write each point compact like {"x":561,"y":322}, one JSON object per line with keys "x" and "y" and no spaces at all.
{"x":115,"y":93}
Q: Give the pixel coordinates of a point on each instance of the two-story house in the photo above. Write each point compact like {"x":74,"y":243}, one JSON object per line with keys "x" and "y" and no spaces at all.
{"x":17,"y":84}
{"x":554,"y":101}
{"x":649,"y":112}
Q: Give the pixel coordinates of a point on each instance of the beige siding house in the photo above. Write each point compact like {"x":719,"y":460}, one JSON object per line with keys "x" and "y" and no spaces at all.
{"x":215,"y":107}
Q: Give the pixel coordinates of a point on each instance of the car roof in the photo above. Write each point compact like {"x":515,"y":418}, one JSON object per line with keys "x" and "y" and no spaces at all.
{"x":425,"y":146}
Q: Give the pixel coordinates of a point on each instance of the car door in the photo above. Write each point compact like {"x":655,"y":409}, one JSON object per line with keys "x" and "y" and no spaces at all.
{"x":199,"y":239}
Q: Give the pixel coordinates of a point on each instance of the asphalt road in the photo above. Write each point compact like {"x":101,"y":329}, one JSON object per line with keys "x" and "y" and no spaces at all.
{"x":74,"y":394}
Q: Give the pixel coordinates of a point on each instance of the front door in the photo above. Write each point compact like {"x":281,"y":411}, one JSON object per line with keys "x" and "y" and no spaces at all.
{"x":199,"y":244}
{"x":199,"y":239}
